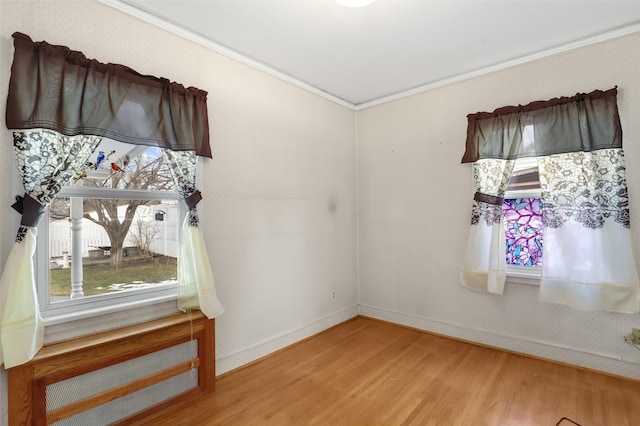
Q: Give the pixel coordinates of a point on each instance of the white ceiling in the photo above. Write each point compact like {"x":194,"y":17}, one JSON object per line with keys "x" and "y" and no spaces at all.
{"x":390,"y":47}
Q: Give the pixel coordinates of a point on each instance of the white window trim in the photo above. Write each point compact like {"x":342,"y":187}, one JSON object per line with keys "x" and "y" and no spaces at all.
{"x":91,"y":306}
{"x":529,"y":275}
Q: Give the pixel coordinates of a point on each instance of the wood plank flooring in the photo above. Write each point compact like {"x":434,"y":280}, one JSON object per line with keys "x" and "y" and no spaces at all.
{"x":367,"y":372}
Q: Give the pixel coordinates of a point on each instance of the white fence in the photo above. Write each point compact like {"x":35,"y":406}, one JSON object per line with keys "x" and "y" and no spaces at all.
{"x":94,"y":236}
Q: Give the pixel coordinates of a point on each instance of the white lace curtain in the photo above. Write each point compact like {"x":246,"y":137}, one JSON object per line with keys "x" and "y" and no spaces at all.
{"x":196,"y":288}
{"x":588,"y":258}
{"x":485,"y":266}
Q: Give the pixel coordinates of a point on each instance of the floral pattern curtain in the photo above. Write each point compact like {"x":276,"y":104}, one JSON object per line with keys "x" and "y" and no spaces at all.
{"x":47,"y":160}
{"x":196,"y":288}
{"x":485,"y":265}
{"x":588,"y":258}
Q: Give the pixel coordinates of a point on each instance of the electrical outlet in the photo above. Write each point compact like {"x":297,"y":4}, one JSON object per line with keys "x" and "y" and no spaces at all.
{"x":633,"y":337}
{"x":333,"y":295}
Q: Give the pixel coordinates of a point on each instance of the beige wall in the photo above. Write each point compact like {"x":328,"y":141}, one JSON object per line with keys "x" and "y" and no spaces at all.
{"x":280,"y":193}
{"x":415,"y":200}
{"x":279,"y":206}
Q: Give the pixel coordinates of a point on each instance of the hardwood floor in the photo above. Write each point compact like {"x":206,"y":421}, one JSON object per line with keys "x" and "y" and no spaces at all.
{"x":367,"y":372}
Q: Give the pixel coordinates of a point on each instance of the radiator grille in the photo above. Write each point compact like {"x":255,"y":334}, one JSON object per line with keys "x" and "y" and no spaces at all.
{"x":133,"y":403}
{"x":159,"y":363}
{"x":77,"y":388}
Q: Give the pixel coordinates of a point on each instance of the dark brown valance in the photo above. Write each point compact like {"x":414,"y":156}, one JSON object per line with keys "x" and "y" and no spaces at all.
{"x":584,"y":122}
{"x":56,"y":88}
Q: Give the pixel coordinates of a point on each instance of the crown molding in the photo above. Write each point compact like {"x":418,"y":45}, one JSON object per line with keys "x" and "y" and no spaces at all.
{"x":598,"y":38}
{"x":150,"y":18}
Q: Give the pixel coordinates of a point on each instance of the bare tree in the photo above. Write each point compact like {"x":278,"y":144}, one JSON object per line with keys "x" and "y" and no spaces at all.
{"x":144,"y":234}
{"x":144,"y":172}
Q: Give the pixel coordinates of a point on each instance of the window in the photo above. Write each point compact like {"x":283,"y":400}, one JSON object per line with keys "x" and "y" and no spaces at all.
{"x":588,"y":257}
{"x":522,"y":213}
{"x":523,"y":220}
{"x":111,"y":235}
{"x":99,"y":101}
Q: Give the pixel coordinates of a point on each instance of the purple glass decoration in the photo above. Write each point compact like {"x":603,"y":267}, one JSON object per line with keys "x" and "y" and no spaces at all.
{"x":523,"y":222}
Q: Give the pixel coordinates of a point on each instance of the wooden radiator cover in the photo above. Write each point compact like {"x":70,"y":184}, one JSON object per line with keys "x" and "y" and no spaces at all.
{"x":60,"y":361}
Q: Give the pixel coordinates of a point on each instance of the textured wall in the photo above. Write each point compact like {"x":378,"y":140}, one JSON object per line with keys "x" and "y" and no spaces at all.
{"x":280,"y":194}
{"x":279,"y":206}
{"x":415,"y":201}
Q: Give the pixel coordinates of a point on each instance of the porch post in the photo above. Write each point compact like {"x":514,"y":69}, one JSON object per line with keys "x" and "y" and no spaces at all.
{"x":76,"y":247}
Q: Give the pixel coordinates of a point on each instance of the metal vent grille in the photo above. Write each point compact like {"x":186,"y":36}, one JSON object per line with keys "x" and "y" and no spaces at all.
{"x":77,"y":388}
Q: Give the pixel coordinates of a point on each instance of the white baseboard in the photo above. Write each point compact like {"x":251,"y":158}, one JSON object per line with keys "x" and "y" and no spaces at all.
{"x":601,"y":362}
{"x":266,"y":347}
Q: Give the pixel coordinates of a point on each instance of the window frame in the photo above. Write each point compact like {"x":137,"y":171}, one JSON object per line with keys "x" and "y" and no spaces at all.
{"x":516,"y":274}
{"x":89,"y":306}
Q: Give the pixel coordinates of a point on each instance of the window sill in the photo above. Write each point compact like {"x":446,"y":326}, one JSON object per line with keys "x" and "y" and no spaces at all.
{"x":523,"y":275}
{"x":70,"y":325}
{"x":61,"y":318}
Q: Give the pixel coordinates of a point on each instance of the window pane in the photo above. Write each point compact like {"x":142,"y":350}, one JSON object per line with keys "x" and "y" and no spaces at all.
{"x":118,"y":165}
{"x":116,"y":244}
{"x":523,"y":222}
